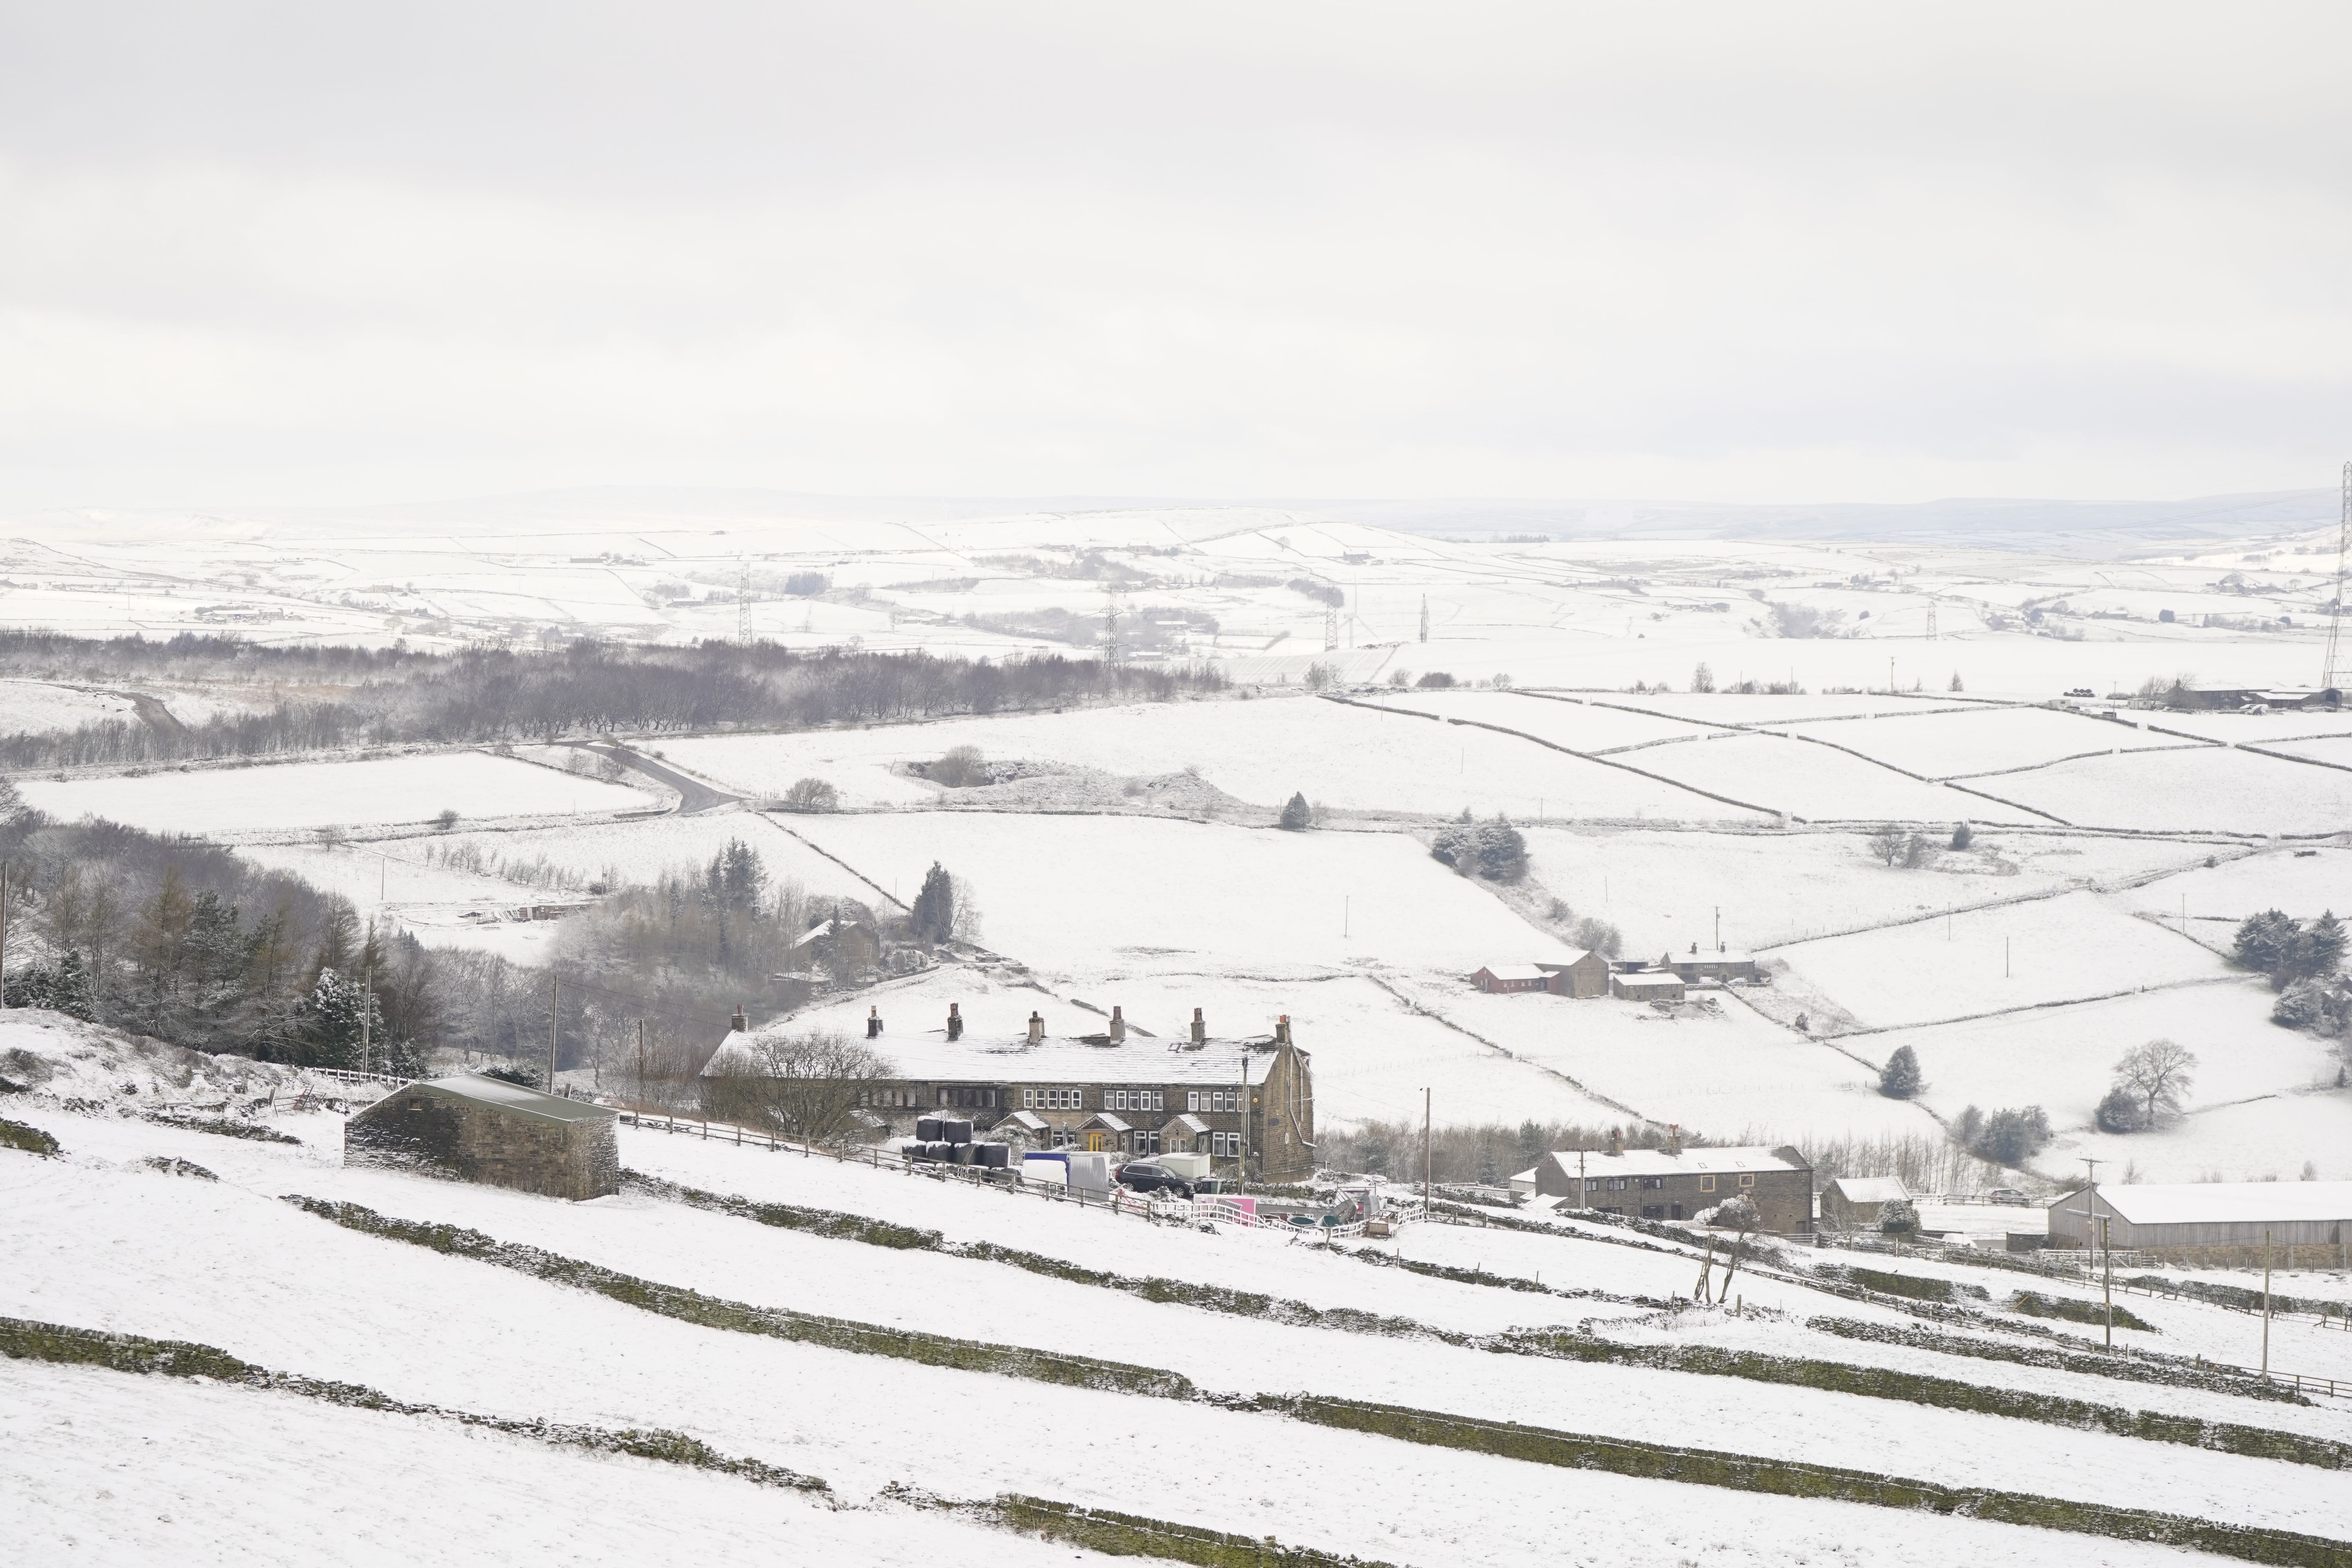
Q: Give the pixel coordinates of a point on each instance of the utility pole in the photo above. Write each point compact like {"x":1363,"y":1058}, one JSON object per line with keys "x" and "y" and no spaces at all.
{"x":1331,"y":629}
{"x":1718,"y":928}
{"x":2107,"y":1278}
{"x":1424,"y":602}
{"x":1424,"y":1154}
{"x":367,"y":1001}
{"x":1931,"y":620}
{"x":4,"y":934}
{"x":550,"y":1034}
{"x":641,"y":1066}
{"x":2266,"y":1305}
{"x":2329,"y":673}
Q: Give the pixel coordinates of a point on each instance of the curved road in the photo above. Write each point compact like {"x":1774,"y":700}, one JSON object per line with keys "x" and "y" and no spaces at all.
{"x":694,"y":797}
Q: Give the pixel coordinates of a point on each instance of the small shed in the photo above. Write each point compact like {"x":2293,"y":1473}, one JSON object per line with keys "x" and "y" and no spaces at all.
{"x":1860,"y":1201}
{"x":1647,"y":985}
{"x":486,"y":1130}
{"x":1586,"y":974}
{"x":1511,"y":977}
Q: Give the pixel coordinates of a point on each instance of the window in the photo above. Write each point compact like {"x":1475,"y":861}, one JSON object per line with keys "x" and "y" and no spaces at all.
{"x":1707,"y":1183}
{"x":1747,"y":1181}
{"x":1116,"y":1099}
{"x":1192,"y":1100}
{"x":1651,"y":1184}
{"x":1591,"y":1183}
{"x":1677,"y":1212}
{"x":1616,"y":1183}
{"x":1057,"y":1098}
{"x":1654,"y":1211}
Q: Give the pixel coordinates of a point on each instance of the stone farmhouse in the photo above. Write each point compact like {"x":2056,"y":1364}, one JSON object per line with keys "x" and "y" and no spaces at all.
{"x":1249,"y":1103}
{"x":1675,"y":1183}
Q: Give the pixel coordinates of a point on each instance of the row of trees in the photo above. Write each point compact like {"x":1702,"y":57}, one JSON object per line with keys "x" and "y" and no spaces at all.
{"x":482,"y":695}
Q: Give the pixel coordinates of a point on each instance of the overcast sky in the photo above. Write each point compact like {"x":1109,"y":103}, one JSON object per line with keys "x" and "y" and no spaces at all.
{"x":269,"y":253}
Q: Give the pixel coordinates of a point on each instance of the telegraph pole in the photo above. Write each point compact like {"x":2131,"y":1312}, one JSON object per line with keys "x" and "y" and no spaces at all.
{"x":4,"y":933}
{"x":2266,"y":1306}
{"x":641,"y":1066}
{"x":1424,"y":1154}
{"x":1424,"y":598}
{"x":550,"y":1032}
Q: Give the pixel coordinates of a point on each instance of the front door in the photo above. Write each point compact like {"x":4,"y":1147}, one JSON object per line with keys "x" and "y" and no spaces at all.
{"x":1094,"y":1143}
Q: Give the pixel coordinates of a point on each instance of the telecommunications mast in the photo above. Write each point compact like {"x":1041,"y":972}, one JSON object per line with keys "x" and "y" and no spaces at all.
{"x":2329,"y":673}
{"x":743,"y":605}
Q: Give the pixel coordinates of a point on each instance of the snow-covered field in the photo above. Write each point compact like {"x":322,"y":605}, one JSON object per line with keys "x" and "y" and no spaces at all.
{"x":1342,"y":755}
{"x":1143,"y":895}
{"x":97,"y":1239}
{"x":2013,"y":956}
{"x":36,"y":705}
{"x":1945,"y":745}
{"x":299,"y":795}
{"x":2210,"y":790}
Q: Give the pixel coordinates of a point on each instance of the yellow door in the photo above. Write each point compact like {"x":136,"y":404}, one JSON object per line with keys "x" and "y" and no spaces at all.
{"x":1094,"y":1143}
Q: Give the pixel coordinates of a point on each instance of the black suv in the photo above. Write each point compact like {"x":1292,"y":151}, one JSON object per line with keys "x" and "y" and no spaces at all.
{"x":1142,"y":1176}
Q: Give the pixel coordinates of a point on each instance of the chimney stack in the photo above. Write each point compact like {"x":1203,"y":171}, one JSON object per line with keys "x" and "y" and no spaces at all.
{"x":1200,"y":1029}
{"x":1616,"y":1141}
{"x":1036,"y":1028}
{"x":739,"y":1023}
{"x":873,"y":1023}
{"x":1674,"y":1138}
{"x":1117,"y":1028}
{"x":955,"y":1023}
{"x":1281,"y":1030}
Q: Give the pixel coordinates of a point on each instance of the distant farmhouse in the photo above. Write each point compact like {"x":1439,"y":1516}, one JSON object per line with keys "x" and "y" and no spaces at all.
{"x":2221,"y":1222}
{"x":1249,"y":1101}
{"x":486,"y":1130}
{"x":841,"y":946}
{"x":1647,"y":985}
{"x":1675,"y":1183}
{"x":1580,"y":974}
{"x":2202,"y":696}
{"x":1719,"y":966}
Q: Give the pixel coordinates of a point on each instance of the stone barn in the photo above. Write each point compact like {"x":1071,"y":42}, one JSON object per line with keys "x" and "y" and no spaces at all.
{"x":1586,"y":974}
{"x":1504,"y":977}
{"x":1858,"y":1203}
{"x":486,"y":1130}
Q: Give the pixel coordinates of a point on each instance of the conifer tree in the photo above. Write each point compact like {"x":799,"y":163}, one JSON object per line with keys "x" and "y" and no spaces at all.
{"x":1296,"y":815}
{"x":1899,"y":1078}
{"x":933,"y":913}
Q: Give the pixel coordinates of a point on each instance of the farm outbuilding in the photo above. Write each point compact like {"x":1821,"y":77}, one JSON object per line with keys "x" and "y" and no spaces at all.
{"x":1586,"y":974}
{"x":2232,"y":1218}
{"x":1647,"y":985}
{"x":1860,"y":1201}
{"x":1511,"y":977}
{"x":486,"y":1130}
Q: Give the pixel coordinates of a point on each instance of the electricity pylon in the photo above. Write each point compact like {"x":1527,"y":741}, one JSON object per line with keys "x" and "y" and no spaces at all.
{"x":2328,"y":672}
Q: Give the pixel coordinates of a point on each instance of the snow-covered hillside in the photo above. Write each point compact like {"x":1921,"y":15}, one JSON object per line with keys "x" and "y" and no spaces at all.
{"x":1280,"y":1437}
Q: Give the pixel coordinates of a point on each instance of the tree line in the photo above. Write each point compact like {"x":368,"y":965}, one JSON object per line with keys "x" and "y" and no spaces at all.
{"x":487,"y":694}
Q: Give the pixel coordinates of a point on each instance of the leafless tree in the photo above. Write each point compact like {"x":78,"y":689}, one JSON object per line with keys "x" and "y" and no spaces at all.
{"x":2158,"y":1074}
{"x":804,"y":1084}
{"x":1890,"y":843}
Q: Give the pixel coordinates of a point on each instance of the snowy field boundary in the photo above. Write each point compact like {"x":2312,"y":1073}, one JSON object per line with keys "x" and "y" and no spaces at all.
{"x":1616,"y":1456}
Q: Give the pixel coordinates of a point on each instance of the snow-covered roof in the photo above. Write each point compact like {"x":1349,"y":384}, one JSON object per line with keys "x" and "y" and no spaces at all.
{"x":1108,"y":1122}
{"x":2211,"y":1203}
{"x":1028,"y":1122}
{"x":1571,"y":962}
{"x":1187,"y":1122}
{"x":1644,"y":979}
{"x":1658,"y":1162}
{"x":1871,"y":1189}
{"x":1713,"y":958}
{"x":1515,"y":972}
{"x":930,"y":1057}
{"x":514,"y":1097}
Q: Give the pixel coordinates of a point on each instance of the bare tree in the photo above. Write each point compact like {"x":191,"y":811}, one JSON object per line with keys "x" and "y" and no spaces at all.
{"x":805,"y":1085}
{"x":811,"y":794}
{"x":2158,"y":1074}
{"x":1890,"y":844}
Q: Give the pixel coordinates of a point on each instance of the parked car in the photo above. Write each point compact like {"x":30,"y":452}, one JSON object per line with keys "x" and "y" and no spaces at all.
{"x":2011,"y":1197}
{"x":1142,"y":1176}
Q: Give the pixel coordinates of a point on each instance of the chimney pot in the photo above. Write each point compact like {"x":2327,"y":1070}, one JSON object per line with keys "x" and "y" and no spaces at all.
{"x":1117,"y":1026}
{"x":1200,"y":1029}
{"x":955,"y":1021}
{"x":739,"y":1023}
{"x":1036,"y":1028}
{"x":873,"y":1023}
